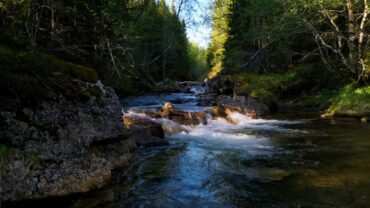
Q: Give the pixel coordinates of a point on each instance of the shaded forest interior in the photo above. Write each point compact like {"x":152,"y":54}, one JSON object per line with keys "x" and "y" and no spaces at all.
{"x":312,"y":53}
{"x":130,"y":45}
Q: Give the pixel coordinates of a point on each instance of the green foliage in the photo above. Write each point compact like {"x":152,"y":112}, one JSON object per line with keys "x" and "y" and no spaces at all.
{"x":131,"y":43}
{"x":255,"y":85}
{"x":269,"y":88}
{"x":352,"y":100}
{"x":197,"y":57}
{"x":321,"y":99}
{"x":263,"y":36}
{"x":220,"y":28}
{"x":289,"y":50}
{"x":301,"y":84}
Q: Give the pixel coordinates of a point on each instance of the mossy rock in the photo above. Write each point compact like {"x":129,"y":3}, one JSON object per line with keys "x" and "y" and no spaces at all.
{"x":27,"y":77}
{"x":6,"y":151}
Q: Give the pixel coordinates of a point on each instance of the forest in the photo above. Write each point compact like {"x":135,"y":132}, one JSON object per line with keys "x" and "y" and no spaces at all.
{"x":313,"y":53}
{"x":129,"y":44}
{"x":121,"y":103}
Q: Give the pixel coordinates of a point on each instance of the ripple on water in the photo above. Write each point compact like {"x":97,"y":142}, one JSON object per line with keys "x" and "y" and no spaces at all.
{"x":244,"y":162}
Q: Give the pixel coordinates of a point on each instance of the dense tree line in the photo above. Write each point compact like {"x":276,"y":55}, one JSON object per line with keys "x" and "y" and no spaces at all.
{"x":220,"y":28}
{"x":274,"y":35}
{"x":131,"y":43}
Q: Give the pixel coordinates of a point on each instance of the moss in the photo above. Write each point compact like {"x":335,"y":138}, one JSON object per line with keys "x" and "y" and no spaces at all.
{"x":5,"y":151}
{"x":352,"y":100}
{"x":128,"y":86}
{"x":30,"y":76}
{"x":76,"y":71}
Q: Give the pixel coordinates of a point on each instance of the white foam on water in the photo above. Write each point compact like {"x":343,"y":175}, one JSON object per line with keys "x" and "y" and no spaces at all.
{"x":198,"y":89}
{"x":237,"y":131}
{"x":241,"y":119}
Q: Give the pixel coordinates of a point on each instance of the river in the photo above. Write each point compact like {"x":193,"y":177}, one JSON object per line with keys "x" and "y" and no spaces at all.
{"x":290,"y":160}
{"x":285,"y":160}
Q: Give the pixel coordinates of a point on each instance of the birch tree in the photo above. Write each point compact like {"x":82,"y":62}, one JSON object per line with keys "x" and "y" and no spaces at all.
{"x":346,"y":35}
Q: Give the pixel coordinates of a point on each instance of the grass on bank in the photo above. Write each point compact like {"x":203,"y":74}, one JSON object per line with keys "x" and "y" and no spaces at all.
{"x":304,"y":87}
{"x":351,"y":100}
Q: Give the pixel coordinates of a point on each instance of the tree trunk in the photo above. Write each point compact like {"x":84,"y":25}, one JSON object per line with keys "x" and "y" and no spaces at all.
{"x":52,"y":17}
{"x":361,"y":44}
{"x":351,"y":35}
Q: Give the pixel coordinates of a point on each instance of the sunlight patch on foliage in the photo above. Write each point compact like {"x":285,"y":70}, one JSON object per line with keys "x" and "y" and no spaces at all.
{"x":352,"y":100}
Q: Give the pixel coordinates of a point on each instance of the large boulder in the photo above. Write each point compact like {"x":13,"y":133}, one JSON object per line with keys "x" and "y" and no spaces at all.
{"x":220,"y":85}
{"x":53,"y":149}
{"x":64,"y":129}
{"x":246,"y":105}
{"x":26,"y":179}
{"x":183,"y":117}
{"x":143,"y":125}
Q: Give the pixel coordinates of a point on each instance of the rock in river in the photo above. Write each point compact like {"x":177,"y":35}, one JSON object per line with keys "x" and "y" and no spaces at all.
{"x":183,"y":117}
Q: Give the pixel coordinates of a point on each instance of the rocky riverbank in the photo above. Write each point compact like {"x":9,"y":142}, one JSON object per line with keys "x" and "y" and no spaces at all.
{"x":65,"y":147}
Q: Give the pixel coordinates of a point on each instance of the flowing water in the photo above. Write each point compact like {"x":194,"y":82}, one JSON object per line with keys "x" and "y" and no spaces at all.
{"x":289,"y":160}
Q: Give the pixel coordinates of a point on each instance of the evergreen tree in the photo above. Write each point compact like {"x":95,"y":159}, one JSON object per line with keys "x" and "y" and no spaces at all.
{"x":220,"y":28}
{"x":129,"y":41}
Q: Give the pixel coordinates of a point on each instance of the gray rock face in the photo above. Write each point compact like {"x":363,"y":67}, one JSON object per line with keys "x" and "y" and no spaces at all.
{"x":64,"y":129}
{"x":24,"y":178}
{"x":63,"y":147}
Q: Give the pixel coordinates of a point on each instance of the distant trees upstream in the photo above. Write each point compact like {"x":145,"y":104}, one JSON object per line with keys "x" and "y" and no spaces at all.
{"x":129,"y":42}
{"x":133,"y":44}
